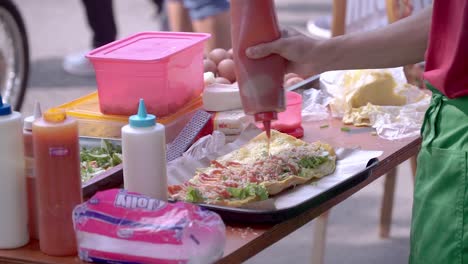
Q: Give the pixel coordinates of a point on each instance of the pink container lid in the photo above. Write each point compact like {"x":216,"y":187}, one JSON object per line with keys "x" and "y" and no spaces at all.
{"x":147,"y":46}
{"x":290,"y":120}
{"x":293,"y":98}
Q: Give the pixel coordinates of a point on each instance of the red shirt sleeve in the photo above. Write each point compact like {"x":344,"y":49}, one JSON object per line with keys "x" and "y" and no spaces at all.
{"x":447,"y":54}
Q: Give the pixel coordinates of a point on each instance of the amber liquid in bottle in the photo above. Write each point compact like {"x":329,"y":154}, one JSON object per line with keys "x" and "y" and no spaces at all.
{"x":30,"y":184}
{"x":57,"y":164}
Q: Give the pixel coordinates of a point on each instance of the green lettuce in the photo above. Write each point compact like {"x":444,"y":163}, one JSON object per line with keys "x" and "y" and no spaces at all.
{"x":194,"y":195}
{"x":249,"y":190}
{"x":98,"y":159}
{"x":312,"y":162}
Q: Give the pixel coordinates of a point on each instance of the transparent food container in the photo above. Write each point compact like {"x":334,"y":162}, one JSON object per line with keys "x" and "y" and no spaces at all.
{"x":93,"y":123}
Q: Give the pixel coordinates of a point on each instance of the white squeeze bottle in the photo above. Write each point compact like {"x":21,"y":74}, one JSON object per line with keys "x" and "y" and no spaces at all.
{"x":13,"y":204}
{"x":144,"y":155}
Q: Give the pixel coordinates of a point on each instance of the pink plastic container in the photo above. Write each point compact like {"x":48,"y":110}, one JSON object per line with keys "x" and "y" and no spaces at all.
{"x":291,"y":118}
{"x":163,"y":68}
{"x":290,"y":121}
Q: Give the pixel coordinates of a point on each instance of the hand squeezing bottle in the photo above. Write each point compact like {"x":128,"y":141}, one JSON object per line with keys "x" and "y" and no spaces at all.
{"x":260,"y":81}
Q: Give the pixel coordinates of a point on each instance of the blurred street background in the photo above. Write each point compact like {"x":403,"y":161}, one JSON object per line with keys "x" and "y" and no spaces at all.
{"x":57,"y":28}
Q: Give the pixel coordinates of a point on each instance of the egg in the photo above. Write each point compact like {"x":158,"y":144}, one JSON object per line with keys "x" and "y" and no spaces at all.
{"x":217,"y":55}
{"x":209,"y":78}
{"x":290,"y":75}
{"x":292,"y":81}
{"x":230,"y":54}
{"x":222,"y":80}
{"x":226,"y":69}
{"x":209,"y":66}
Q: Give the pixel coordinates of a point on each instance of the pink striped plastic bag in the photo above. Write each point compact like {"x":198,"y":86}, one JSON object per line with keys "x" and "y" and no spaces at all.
{"x":116,"y":226}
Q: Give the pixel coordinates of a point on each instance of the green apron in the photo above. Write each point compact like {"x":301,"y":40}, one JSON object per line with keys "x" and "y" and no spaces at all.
{"x":439,"y":228}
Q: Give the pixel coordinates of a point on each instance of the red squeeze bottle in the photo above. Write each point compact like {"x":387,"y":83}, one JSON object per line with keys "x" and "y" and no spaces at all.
{"x":260,"y":81}
{"x":57,"y":166}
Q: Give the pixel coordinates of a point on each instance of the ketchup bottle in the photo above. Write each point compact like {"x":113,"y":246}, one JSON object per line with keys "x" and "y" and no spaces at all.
{"x":57,"y":166}
{"x":260,"y":80}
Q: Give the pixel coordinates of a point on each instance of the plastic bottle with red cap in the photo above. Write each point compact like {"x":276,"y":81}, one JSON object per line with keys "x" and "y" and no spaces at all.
{"x":13,"y":204}
{"x":57,"y":167}
{"x":260,"y":81}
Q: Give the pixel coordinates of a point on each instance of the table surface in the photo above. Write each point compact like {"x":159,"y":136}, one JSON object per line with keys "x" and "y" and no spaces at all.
{"x":245,"y":241}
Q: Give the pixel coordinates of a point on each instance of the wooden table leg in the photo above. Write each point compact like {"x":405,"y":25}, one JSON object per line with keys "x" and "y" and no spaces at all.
{"x":387,"y":203}
{"x":320,"y":237}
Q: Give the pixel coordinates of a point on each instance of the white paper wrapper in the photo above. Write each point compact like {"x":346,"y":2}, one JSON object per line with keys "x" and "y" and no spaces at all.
{"x":314,"y":105}
{"x":350,"y":162}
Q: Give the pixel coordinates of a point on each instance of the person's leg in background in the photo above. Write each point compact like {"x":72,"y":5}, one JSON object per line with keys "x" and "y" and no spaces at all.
{"x":179,"y":19}
{"x":161,"y":14}
{"x":100,"y":17}
{"x":211,"y":16}
{"x":208,"y":16}
{"x":159,"y":5}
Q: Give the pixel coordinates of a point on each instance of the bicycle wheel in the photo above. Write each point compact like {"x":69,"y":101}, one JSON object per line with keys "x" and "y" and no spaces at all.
{"x":14,"y":55}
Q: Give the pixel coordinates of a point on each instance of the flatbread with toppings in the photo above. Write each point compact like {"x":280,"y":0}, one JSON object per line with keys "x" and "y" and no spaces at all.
{"x":249,"y":174}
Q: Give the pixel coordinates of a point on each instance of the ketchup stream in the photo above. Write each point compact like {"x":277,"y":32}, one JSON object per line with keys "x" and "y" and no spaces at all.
{"x":267,"y":126}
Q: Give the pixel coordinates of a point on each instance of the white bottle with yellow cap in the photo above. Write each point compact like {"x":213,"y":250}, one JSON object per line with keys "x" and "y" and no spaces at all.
{"x":144,"y":155}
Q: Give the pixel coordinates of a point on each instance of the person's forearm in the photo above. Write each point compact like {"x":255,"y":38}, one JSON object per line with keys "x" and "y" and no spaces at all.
{"x":401,"y":43}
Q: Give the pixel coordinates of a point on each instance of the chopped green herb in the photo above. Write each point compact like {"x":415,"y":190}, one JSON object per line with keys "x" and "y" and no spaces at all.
{"x":345,"y":129}
{"x":324,"y":126}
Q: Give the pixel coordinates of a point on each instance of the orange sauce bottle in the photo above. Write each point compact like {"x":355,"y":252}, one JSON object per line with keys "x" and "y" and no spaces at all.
{"x":29,"y":171}
{"x":57,"y":164}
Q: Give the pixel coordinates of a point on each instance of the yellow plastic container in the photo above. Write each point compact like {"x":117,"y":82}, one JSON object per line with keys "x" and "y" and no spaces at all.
{"x":92,"y":123}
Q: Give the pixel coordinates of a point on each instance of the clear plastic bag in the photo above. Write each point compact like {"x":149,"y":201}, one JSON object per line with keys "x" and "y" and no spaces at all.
{"x":116,"y":226}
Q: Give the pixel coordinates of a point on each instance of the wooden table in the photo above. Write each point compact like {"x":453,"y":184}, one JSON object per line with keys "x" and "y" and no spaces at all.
{"x":243,"y":241}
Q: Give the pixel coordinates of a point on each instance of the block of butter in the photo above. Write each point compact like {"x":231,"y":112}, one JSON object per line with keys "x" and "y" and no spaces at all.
{"x":221,"y":97}
{"x":365,"y":92}
{"x":374,"y":87}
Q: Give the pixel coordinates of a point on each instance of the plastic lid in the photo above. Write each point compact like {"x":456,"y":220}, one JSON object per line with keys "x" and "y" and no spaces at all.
{"x":28,"y":121}
{"x":55,"y":115}
{"x":5,"y":109}
{"x":142,"y":119}
{"x":148,"y":46}
{"x":293,"y":98}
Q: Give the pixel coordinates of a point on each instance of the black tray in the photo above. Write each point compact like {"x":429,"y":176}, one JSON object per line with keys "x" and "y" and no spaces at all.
{"x":255,"y":216}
